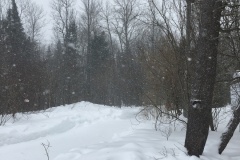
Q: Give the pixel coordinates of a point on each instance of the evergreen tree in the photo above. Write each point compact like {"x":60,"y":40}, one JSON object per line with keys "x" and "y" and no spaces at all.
{"x":15,"y":58}
{"x":3,"y":68}
{"x":21,"y":60}
{"x":101,"y":62}
{"x":57,"y":77}
{"x":130,"y":79}
{"x":70,"y":65}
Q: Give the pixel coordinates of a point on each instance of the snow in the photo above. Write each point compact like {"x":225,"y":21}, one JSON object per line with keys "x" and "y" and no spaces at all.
{"x":236,"y":74}
{"x":195,"y":106}
{"x":86,"y":131}
{"x":235,"y":90}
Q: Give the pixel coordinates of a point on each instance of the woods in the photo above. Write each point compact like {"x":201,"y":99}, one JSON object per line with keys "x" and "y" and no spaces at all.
{"x":177,"y":55}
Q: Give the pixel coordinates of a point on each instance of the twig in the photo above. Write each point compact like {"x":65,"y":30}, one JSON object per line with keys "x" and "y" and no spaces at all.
{"x":46,"y":148}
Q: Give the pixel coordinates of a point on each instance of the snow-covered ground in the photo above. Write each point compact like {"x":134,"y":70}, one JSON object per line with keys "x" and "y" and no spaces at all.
{"x":85,"y":131}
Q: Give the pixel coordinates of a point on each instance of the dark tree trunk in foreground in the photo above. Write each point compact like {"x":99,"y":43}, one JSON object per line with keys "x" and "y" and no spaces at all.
{"x":231,"y":127}
{"x":199,"y":112}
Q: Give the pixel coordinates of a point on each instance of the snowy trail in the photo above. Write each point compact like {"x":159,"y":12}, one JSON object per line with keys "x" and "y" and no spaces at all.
{"x":65,"y":129}
{"x":85,"y":131}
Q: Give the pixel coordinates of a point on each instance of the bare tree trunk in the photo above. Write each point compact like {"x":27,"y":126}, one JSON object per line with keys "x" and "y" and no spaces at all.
{"x":199,"y":112}
{"x":90,"y":22}
{"x":89,"y":62}
{"x":231,"y":127}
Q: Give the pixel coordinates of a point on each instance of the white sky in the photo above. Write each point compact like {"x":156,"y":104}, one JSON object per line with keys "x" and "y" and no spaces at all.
{"x":47,"y":30}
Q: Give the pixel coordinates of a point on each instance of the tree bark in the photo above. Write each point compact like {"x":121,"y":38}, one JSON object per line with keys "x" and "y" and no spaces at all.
{"x":231,"y":127}
{"x":188,"y":52}
{"x":199,"y":112}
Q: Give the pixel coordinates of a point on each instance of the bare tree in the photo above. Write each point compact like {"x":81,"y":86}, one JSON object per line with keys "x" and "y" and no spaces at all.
{"x":106,"y":18}
{"x":125,"y":24}
{"x":89,"y":24}
{"x":126,"y":15}
{"x":33,"y":18}
{"x":167,"y":53}
{"x":62,"y":11}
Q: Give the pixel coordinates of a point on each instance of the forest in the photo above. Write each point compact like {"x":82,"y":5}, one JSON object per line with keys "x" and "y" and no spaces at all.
{"x":180,"y":54}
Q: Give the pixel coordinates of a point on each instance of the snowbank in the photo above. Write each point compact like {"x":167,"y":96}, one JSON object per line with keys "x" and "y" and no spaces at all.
{"x":84,"y":131}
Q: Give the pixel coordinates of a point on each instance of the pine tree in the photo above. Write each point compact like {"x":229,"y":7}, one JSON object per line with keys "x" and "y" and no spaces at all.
{"x":70,"y":65}
{"x":57,"y":78}
{"x":101,"y":62}
{"x":22,"y":65}
{"x":15,"y":56}
{"x":3,"y":68}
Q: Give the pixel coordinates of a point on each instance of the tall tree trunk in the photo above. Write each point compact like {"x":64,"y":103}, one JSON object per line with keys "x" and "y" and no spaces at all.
{"x":88,"y":94}
{"x":231,"y":127}
{"x":199,"y":112}
{"x":188,"y":51}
